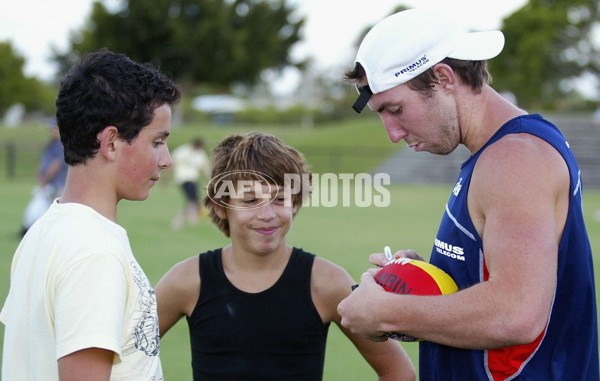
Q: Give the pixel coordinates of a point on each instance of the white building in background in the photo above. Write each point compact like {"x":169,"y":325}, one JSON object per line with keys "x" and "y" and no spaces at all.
{"x":221,"y":108}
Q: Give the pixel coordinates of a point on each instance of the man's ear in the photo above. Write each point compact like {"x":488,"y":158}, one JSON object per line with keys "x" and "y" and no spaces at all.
{"x":108,"y":138}
{"x":446,"y":77}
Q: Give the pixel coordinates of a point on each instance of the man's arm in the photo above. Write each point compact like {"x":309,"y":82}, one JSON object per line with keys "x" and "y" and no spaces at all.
{"x":518,"y":201}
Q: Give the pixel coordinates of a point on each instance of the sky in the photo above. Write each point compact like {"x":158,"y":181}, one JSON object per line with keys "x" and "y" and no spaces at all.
{"x":34,"y":26}
{"x":332,"y":26}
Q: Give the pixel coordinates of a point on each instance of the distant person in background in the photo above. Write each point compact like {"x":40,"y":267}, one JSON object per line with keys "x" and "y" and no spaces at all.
{"x":51,"y":177}
{"x":53,"y":168}
{"x":190,"y":161}
{"x":258,"y":308}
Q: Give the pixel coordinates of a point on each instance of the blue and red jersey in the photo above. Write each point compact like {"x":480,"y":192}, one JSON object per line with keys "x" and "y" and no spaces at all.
{"x":568,"y":348}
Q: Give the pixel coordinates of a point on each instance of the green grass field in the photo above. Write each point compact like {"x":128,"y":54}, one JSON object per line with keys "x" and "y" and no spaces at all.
{"x":344,"y":235}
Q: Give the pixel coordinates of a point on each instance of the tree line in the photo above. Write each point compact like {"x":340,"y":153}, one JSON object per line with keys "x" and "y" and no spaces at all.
{"x":213,"y":45}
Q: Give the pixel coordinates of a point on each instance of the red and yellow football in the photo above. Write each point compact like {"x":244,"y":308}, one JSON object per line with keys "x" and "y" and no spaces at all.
{"x":413,"y":277}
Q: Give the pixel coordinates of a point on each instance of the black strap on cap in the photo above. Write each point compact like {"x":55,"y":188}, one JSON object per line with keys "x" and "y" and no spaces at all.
{"x":364,"y":94}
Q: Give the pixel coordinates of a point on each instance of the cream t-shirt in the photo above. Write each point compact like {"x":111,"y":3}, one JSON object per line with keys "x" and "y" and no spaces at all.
{"x":75,"y":284}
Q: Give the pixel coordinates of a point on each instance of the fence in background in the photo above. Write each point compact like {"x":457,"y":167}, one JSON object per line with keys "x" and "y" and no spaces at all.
{"x":409,"y":167}
{"x":18,"y":161}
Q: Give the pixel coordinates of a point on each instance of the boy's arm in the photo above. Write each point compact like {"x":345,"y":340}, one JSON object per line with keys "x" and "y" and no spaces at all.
{"x":387,"y":358}
{"x":331,"y":284}
{"x":92,"y":364}
{"x":177,"y":293}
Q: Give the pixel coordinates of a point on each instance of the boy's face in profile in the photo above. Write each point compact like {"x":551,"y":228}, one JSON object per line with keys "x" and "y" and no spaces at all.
{"x":141,"y":161}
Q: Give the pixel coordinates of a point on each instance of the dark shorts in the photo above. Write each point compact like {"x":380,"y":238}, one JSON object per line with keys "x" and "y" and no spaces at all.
{"x":190,"y":189}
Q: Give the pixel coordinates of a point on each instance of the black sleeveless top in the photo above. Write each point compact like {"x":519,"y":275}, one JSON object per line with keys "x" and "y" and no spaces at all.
{"x":276,"y":334}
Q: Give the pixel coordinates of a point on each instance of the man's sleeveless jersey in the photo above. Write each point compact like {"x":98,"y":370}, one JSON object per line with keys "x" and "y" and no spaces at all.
{"x":276,"y":334}
{"x":568,"y":348}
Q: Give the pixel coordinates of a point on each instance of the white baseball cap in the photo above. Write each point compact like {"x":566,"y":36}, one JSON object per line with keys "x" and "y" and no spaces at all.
{"x":407,"y":43}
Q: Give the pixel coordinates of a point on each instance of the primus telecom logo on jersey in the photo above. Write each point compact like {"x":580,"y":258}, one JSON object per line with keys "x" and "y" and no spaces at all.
{"x":452,"y":251}
{"x":252,"y":189}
